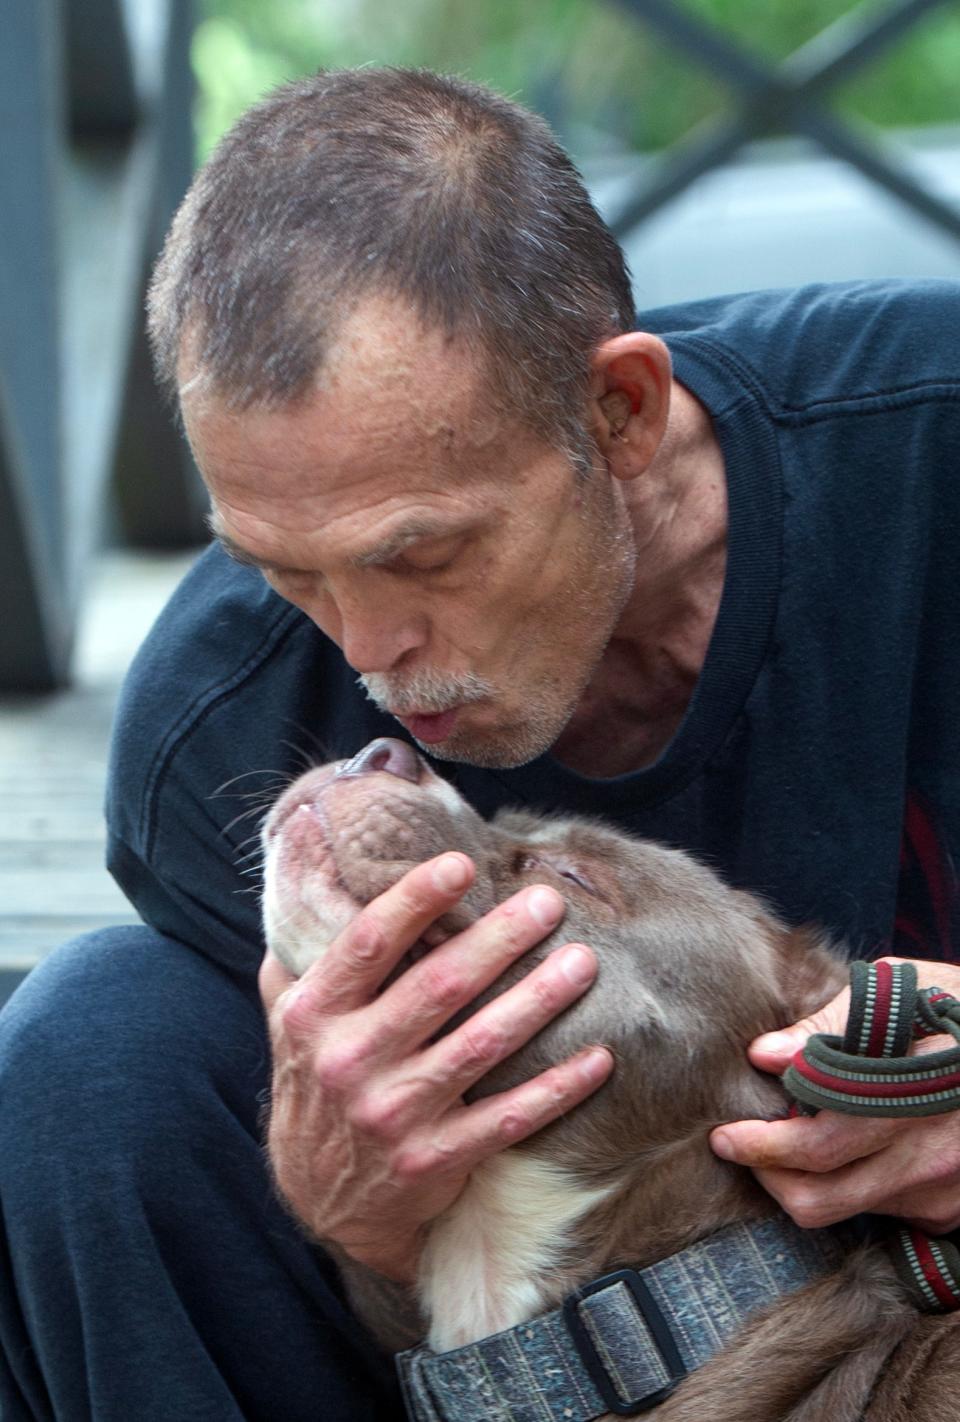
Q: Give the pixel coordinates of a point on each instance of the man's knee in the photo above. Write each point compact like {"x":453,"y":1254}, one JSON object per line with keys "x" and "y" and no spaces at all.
{"x":126,"y":1040}
{"x":149,"y":1258}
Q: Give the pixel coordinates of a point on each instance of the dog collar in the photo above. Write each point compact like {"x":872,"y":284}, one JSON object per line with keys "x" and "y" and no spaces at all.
{"x":623,"y":1342}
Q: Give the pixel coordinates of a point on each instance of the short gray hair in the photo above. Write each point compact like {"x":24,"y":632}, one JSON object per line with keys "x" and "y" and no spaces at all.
{"x":405,"y":182}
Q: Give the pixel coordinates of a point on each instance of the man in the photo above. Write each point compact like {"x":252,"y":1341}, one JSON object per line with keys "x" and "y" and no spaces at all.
{"x":698,"y":579}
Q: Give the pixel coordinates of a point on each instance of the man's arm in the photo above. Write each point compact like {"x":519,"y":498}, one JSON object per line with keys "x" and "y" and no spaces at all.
{"x":828,"y":1167}
{"x":369,"y":1136}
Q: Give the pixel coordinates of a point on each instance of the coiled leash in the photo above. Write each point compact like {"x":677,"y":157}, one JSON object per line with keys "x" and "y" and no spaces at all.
{"x":867,"y":1072}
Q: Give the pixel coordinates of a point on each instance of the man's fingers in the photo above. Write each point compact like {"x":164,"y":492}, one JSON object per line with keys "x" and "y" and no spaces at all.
{"x":815,"y":1201}
{"x":816,"y":1144}
{"x":486,"y":1127}
{"x":447,"y":979}
{"x":821,"y":1170}
{"x":914,"y":1176}
{"x":361,"y":957}
{"x":773,"y":1051}
{"x":440,"y":1075}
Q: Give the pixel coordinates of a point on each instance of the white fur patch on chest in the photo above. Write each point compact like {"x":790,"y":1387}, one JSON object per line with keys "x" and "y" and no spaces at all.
{"x":485,"y":1263}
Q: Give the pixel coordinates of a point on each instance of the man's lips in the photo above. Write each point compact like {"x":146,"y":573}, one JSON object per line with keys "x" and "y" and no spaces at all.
{"x":430,"y":727}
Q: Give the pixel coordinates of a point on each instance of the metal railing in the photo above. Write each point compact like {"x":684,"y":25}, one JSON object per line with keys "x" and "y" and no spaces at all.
{"x":96,"y":148}
{"x":791,"y":96}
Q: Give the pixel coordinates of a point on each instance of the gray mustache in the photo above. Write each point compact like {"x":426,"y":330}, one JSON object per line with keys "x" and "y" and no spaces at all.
{"x":426,"y":690}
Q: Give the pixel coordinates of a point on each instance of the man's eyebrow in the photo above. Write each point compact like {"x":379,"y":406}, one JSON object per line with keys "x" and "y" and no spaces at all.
{"x":233,"y":549}
{"x":401,"y":538}
{"x":382,"y":552}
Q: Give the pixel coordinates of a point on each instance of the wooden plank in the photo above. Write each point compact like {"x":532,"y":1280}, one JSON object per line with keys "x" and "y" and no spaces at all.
{"x":26,"y":938}
{"x":26,"y":819}
{"x":84,"y":889}
{"x":53,"y":766}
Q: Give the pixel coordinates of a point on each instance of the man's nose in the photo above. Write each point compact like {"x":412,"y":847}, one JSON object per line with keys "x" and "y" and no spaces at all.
{"x":376,"y":649}
{"x":376,"y":634}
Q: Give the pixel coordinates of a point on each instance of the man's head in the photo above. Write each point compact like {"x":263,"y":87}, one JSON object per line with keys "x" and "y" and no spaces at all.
{"x":390,"y":182}
{"x":394,"y":322}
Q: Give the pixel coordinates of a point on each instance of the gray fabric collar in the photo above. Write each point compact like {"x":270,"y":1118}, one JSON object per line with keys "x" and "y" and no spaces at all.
{"x":622,"y":1343}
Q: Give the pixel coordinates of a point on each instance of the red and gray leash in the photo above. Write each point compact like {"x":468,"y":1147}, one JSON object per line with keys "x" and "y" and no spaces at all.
{"x":867,"y":1072}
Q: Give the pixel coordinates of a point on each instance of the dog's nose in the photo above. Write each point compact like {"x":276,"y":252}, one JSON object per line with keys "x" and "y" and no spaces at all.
{"x":393,"y":756}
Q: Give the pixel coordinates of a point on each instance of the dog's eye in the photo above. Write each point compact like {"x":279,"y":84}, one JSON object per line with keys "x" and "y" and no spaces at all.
{"x":576,"y":879}
{"x":525,"y":863}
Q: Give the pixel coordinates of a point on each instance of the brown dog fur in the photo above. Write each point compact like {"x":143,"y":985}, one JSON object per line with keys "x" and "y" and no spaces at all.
{"x":690,"y":972}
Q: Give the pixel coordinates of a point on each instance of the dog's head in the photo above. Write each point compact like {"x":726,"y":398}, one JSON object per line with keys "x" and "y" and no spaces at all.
{"x":690,"y":969}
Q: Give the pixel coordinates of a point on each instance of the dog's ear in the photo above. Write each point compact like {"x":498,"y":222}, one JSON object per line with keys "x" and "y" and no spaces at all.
{"x":811,"y":971}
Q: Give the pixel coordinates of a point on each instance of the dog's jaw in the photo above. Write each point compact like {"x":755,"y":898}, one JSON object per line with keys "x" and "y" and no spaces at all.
{"x":337,"y":838}
{"x":305,"y":905}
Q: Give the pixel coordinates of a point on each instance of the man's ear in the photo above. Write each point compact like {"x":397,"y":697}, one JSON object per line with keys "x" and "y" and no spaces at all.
{"x":630,"y":385}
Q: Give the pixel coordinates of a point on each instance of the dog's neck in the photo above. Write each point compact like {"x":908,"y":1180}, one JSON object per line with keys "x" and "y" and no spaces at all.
{"x":528,"y":1230}
{"x":524,"y":1236}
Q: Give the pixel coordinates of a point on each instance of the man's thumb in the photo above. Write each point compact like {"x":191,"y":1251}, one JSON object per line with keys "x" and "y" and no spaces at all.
{"x":774,"y":1051}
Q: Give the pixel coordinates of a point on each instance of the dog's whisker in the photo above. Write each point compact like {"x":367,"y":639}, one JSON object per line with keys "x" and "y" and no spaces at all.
{"x":322,"y":748}
{"x":243,"y":815}
{"x":277,"y":927}
{"x":281,"y":779}
{"x":302,"y":758}
{"x":259,"y":800}
{"x":254,"y":850}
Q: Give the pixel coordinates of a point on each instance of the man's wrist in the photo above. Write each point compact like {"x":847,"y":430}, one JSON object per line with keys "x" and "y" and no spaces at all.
{"x":388,"y":1307}
{"x":393,"y":1260}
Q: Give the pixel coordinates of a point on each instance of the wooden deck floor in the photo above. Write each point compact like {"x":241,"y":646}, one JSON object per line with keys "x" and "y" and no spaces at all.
{"x":53,"y":756}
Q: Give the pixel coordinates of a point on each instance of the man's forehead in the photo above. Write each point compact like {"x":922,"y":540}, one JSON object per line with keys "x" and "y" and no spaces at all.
{"x":382,"y":368}
{"x":385,"y":354}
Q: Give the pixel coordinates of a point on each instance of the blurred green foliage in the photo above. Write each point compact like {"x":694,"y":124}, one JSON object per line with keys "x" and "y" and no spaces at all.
{"x":601,"y":78}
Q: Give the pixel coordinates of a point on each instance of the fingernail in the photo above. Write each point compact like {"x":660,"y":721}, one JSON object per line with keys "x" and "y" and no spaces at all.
{"x":595,"y":1066}
{"x":450,"y":873}
{"x":722,"y":1145}
{"x":546,"y":907}
{"x":578,"y":966}
{"x":780,"y":1043}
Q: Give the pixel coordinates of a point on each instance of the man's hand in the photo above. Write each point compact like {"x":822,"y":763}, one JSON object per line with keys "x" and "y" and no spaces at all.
{"x":369,"y":1137}
{"x":830,"y":1166}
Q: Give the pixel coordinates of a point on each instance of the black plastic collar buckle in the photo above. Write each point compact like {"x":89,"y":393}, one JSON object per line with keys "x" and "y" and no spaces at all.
{"x":659,"y":1331}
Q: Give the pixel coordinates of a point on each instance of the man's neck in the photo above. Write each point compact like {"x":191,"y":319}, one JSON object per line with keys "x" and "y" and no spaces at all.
{"x":640,"y":691}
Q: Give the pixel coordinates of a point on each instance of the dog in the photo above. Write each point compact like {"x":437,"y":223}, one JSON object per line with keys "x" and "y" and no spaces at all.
{"x":690,"y":971}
